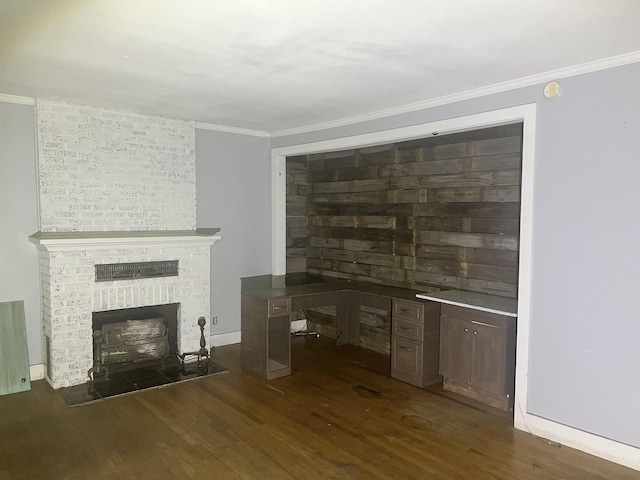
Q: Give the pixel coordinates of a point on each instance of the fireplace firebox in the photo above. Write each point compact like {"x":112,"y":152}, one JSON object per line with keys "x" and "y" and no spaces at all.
{"x":132,"y":336}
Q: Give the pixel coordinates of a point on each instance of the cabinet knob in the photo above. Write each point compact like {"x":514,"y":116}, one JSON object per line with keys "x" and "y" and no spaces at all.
{"x":466,"y":329}
{"x":475,"y":333}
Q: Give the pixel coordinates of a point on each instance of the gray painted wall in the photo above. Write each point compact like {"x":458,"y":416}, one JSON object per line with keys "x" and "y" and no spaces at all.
{"x":585,"y":325}
{"x":233,"y":185}
{"x":19,"y":277}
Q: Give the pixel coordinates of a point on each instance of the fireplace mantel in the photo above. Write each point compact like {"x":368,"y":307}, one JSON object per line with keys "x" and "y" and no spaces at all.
{"x":66,"y":241}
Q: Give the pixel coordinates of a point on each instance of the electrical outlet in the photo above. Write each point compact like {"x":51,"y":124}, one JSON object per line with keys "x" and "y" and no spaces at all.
{"x":214,"y":320}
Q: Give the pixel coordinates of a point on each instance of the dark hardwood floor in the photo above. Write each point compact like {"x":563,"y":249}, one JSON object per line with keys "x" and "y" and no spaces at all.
{"x":337,"y":416}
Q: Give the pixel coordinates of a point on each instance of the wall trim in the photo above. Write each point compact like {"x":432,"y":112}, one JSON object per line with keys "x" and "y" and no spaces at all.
{"x":227,"y":129}
{"x":17,"y":99}
{"x":590,"y":443}
{"x":528,"y":81}
{"x":36,"y":372}
{"x":580,"y":69}
{"x":523,"y":420}
{"x":221,"y":339}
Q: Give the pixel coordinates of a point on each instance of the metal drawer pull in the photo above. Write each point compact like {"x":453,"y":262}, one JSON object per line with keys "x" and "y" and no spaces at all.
{"x":407,"y":349}
{"x":406,"y":329}
{"x":484,"y":324}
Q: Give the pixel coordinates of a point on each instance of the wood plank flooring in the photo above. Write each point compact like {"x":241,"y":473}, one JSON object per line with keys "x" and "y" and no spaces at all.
{"x":338,"y":416}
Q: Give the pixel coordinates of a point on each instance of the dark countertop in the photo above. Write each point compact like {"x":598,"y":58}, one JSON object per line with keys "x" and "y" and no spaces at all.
{"x":270,"y":287}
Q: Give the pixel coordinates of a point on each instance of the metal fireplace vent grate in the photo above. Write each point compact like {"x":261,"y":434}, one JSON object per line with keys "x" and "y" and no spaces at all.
{"x":127,"y":271}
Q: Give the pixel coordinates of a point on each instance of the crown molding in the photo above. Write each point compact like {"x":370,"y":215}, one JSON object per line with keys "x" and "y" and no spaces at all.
{"x":17,"y":99}
{"x":528,"y":81}
{"x":226,"y":129}
{"x":581,"y":69}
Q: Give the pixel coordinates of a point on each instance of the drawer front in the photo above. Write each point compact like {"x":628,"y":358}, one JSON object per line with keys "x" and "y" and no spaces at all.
{"x":279,"y":306}
{"x":413,"y":311}
{"x":406,"y":360}
{"x":408,"y":329}
{"x":477,"y":316}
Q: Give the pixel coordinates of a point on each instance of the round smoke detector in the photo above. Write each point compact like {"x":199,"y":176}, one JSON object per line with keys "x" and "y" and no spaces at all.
{"x":551,"y":90}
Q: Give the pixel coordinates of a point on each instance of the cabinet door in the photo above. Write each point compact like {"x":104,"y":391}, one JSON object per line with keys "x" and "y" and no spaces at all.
{"x":488,"y":353}
{"x":455,"y":349}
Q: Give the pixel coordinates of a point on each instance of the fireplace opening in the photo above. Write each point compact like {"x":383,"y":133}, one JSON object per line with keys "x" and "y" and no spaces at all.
{"x":136,"y":334}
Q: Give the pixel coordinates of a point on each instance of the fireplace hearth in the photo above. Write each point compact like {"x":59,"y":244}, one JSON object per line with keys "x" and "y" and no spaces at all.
{"x":133,"y":352}
{"x":130,"y":378}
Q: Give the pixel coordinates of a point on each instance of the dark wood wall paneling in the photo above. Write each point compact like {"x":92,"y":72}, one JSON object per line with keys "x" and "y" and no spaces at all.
{"x":296,"y":211}
{"x":431,"y":214}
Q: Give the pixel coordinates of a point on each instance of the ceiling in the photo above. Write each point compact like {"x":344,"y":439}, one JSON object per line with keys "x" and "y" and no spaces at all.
{"x":278,"y":65}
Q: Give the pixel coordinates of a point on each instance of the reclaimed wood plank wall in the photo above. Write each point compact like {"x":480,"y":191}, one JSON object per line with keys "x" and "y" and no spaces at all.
{"x":431,"y":214}
{"x":297,"y":217}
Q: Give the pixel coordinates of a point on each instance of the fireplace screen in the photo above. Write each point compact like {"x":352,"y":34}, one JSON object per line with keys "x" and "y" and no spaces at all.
{"x":155,"y":325}
{"x":134,"y":340}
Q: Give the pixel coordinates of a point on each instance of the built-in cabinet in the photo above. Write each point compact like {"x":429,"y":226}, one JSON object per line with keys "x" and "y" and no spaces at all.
{"x":414,"y":342}
{"x":415,"y":326}
{"x":477,"y":355}
{"x":266,"y":326}
{"x":464,"y":339}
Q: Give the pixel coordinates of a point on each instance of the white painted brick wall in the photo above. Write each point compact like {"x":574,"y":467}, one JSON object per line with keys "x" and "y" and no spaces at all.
{"x":72,"y":296}
{"x":105,"y":170}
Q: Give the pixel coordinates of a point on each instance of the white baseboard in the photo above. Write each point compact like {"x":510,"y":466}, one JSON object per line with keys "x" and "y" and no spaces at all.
{"x":220,"y":339}
{"x":36,"y":372}
{"x":587,"y":442}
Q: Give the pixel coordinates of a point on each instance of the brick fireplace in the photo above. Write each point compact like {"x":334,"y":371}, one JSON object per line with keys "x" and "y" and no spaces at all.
{"x":70,"y":293}
{"x":114,"y":187}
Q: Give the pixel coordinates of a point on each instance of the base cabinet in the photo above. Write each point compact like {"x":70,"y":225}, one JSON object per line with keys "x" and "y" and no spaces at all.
{"x":477,"y":355}
{"x":266,"y":330}
{"x":415,"y":335}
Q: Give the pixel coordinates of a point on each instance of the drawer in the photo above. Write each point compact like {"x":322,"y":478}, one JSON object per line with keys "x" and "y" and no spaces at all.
{"x":406,"y":360}
{"x":413,"y":311}
{"x":279,"y":306}
{"x":407,"y":329}
{"x":477,"y":316}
